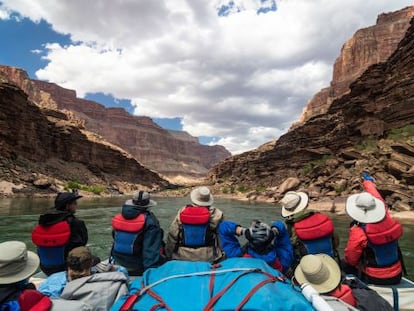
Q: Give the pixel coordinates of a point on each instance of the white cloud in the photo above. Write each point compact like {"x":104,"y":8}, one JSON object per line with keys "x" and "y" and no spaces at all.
{"x":244,"y":78}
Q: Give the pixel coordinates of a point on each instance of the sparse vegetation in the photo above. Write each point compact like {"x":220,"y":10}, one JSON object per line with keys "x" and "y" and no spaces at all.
{"x":242,"y":189}
{"x":308,"y":167}
{"x":96,"y":189}
{"x":260,"y":188}
{"x":367,"y":145}
{"x":339,"y":189}
{"x":402,"y":132}
{"x":228,"y":189}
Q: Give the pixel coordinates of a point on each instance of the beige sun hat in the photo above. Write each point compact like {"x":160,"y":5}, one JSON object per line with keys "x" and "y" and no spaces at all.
{"x":365,"y":208}
{"x":320,"y":270}
{"x":202,"y":196}
{"x":16,"y":262}
{"x":293,"y":202}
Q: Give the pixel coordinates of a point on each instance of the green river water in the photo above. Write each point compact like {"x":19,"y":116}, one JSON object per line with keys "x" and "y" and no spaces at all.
{"x":19,"y":216}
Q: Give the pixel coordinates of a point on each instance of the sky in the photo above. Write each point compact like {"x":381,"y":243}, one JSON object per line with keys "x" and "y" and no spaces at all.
{"x":234,"y":73}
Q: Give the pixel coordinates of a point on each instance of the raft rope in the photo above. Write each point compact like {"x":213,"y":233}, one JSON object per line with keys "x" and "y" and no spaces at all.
{"x":134,"y":297}
{"x":177,"y":276}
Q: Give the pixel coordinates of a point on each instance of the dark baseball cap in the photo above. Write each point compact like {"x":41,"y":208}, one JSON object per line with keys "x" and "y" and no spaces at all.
{"x":65,"y":198}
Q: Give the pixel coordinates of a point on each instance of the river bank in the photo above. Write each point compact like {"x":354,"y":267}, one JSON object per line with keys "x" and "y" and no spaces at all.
{"x":335,"y":205}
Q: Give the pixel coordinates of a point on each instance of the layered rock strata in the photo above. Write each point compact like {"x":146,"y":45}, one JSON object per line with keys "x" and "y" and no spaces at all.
{"x":176,"y":155}
{"x":370,"y":128}
{"x":368,"y":46}
{"x":41,"y":142}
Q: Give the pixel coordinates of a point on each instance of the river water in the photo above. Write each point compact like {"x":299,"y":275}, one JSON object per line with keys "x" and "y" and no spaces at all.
{"x":19,"y":216}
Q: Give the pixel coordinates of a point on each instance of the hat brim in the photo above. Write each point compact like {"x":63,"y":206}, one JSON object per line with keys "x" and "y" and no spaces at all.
{"x":32,"y":264}
{"x":367,"y":217}
{"x":330,"y":284}
{"x":62,"y":205}
{"x":150,"y":204}
{"x":193,"y":197}
{"x":304,"y":199}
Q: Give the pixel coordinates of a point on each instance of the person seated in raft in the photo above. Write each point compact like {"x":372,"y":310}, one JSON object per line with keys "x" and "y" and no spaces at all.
{"x":193,"y":233}
{"x":98,"y":289}
{"x":372,"y":251}
{"x":323,"y":273}
{"x":310,"y":232}
{"x":58,"y":232}
{"x":138,"y":236}
{"x":269,"y":243}
{"x":17,"y":264}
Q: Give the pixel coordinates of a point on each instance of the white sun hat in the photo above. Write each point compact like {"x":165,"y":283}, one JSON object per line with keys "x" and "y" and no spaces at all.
{"x":320,"y":270}
{"x":293,"y":202}
{"x":16,"y":262}
{"x":202,"y":196}
{"x":365,"y":208}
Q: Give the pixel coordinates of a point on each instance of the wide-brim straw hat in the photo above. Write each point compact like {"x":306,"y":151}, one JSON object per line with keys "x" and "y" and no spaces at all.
{"x":320,"y":270}
{"x":293,"y":202}
{"x":365,"y":208}
{"x":202,"y":196}
{"x":16,"y":262}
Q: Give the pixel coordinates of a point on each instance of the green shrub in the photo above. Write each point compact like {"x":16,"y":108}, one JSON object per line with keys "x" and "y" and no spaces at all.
{"x":242,"y":188}
{"x":96,"y":189}
{"x":73,"y":185}
{"x":367,"y":145}
{"x":402,"y":132}
{"x":308,"y":167}
{"x":339,"y":189}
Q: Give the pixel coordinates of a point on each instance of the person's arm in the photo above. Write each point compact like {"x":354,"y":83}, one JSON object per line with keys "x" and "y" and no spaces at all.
{"x":369,"y":186}
{"x":282,"y":244}
{"x":356,"y":244}
{"x":172,"y":237}
{"x":227,"y":231}
{"x":151,"y":247}
{"x":78,"y":234}
{"x":54,"y":284}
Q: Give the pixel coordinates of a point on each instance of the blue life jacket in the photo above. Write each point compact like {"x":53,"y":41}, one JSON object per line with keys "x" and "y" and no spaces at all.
{"x":51,"y":242}
{"x":382,"y":248}
{"x":128,"y":234}
{"x":195,"y":224}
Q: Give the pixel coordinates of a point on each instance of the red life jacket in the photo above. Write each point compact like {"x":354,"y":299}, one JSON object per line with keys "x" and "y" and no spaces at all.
{"x":33,"y":300}
{"x":344,"y":292}
{"x":316,"y":232}
{"x":51,"y":242}
{"x":129,"y":225}
{"x":195,"y":222}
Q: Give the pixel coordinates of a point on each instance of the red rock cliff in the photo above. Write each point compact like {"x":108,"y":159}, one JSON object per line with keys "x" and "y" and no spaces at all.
{"x":173,"y":154}
{"x":371,"y":127}
{"x":368,"y":46}
{"x":37,"y":141}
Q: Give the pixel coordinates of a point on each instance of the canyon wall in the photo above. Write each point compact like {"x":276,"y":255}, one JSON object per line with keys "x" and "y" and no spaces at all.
{"x":368,"y":46}
{"x":176,"y":155}
{"x":370,"y":128}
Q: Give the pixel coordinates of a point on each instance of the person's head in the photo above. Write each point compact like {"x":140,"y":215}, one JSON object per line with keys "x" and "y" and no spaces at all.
{"x":321,"y":271}
{"x":260,"y":236}
{"x":142,"y":199}
{"x":365,"y":208}
{"x":67,"y":201}
{"x":293,"y":202}
{"x":79,"y":263}
{"x":201,"y":196}
{"x":16,"y":262}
